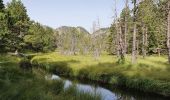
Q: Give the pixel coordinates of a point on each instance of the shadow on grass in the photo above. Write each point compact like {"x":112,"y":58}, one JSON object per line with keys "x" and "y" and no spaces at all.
{"x":106,"y":65}
{"x":73,"y":61}
{"x":59,"y":68}
{"x":166,"y":64}
{"x":8,"y":64}
{"x":159,"y":62}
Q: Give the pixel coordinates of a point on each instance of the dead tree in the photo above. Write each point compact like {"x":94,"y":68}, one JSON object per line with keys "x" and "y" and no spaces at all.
{"x":120,"y":48}
{"x":126,"y":28}
{"x":95,"y":44}
{"x":168,"y":32}
{"x":116,"y":28}
{"x":73,"y":42}
{"x":120,"y":43}
{"x":134,"y":33}
{"x":134,"y":45}
{"x":144,"y":40}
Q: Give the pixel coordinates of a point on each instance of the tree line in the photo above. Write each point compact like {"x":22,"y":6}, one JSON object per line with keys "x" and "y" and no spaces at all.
{"x":143,"y":30}
{"x":19,"y":32}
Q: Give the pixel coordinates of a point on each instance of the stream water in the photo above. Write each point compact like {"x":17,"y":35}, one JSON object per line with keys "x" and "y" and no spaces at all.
{"x":108,"y":92}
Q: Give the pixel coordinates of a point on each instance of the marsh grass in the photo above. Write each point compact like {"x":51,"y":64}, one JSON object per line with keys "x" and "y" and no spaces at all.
{"x":17,"y":84}
{"x":149,"y":75}
{"x":73,"y":94}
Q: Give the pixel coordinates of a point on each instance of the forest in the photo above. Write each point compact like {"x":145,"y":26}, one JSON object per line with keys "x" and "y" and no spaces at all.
{"x":130,"y":59}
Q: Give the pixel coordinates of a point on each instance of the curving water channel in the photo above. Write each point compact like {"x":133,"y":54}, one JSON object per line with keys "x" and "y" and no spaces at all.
{"x":108,"y":92}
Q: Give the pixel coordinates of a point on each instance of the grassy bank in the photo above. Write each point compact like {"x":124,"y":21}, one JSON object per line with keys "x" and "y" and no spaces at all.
{"x":151,"y":74}
{"x":20,"y":84}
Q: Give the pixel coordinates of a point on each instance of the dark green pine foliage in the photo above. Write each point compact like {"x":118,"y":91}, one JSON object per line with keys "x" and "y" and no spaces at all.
{"x":19,"y":23}
{"x":3,"y":27}
{"x":1,"y":6}
{"x":126,"y":16}
{"x":39,"y":38}
{"x":111,"y":40}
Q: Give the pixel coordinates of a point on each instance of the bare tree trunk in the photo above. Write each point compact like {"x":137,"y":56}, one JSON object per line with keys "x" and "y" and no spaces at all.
{"x":144,"y":41}
{"x":121,"y":46}
{"x":95,"y":48}
{"x":159,"y":51}
{"x":125,"y":41}
{"x":137,"y":48}
{"x":114,"y":43}
{"x":134,"y":34}
{"x":96,"y":53}
{"x":117,"y":35}
{"x":117,"y":43}
{"x":126,"y":29}
{"x":134,"y":45}
{"x":168,"y":33}
{"x":96,"y":44}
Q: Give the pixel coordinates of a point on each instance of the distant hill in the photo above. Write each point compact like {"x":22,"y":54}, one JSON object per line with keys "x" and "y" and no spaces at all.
{"x":102,"y":31}
{"x":68,"y":29}
{"x":82,"y":30}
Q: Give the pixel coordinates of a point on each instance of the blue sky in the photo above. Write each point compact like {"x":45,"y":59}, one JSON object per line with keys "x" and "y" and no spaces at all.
{"x":56,"y":13}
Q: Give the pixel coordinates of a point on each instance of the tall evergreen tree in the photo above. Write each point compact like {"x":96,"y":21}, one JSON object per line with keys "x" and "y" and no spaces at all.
{"x":3,"y":27}
{"x":18,"y":23}
{"x":40,"y":38}
{"x":1,"y":5}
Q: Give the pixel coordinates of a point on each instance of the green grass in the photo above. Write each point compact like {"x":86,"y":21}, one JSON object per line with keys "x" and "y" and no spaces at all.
{"x":151,"y":74}
{"x":19,"y":84}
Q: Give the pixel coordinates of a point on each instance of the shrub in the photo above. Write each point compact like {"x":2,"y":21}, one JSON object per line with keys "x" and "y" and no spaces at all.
{"x":25,"y":64}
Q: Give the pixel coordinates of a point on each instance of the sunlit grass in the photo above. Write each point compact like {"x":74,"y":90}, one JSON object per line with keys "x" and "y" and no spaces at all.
{"x":151,"y":74}
{"x":152,"y":65}
{"x":75,"y":62}
{"x":17,"y":84}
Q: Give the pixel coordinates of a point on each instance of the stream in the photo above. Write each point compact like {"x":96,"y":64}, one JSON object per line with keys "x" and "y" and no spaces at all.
{"x":108,"y":92}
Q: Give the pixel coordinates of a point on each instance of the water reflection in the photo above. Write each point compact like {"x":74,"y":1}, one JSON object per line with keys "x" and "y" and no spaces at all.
{"x":114,"y":94}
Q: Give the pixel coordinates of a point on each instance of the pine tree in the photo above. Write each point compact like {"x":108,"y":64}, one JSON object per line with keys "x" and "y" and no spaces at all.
{"x":1,"y":6}
{"x":3,"y":27}
{"x":18,"y":23}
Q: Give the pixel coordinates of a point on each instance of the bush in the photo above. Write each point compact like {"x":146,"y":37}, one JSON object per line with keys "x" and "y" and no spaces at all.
{"x":25,"y":64}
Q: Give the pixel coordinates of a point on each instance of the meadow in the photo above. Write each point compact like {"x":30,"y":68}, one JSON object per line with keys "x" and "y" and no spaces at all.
{"x":18,"y":83}
{"x":148,"y":75}
{"x":130,"y":50}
